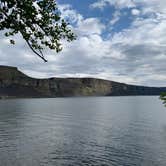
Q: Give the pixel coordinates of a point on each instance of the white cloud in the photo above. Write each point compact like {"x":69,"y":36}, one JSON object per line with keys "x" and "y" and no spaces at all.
{"x":82,"y":26}
{"x":152,"y":5}
{"x":90,"y":26}
{"x":68,"y":13}
{"x":134,"y":55}
{"x":98,"y":4}
{"x":116,"y":17}
{"x":135,"y":12}
{"x":118,"y":4}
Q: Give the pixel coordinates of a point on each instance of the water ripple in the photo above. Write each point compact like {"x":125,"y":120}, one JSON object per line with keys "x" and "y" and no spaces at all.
{"x":83,"y":132}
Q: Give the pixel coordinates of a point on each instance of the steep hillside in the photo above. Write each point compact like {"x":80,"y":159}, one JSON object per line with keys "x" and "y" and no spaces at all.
{"x":14,"y":83}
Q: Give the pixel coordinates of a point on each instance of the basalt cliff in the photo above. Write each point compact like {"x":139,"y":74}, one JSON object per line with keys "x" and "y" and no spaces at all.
{"x":15,"y":84}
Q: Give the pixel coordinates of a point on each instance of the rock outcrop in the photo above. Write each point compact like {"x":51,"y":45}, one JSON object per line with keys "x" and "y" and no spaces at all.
{"x":14,"y":83}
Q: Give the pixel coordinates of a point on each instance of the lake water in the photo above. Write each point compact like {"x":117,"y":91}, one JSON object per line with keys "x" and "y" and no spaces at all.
{"x":92,"y":131}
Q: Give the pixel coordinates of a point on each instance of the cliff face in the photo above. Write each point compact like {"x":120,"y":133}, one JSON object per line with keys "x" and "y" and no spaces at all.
{"x":14,"y":83}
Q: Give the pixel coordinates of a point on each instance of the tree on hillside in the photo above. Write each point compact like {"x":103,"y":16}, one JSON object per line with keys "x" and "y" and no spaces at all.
{"x":38,"y":21}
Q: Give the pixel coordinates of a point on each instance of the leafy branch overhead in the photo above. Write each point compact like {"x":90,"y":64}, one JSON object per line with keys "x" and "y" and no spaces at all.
{"x":163,"y":98}
{"x":38,"y":21}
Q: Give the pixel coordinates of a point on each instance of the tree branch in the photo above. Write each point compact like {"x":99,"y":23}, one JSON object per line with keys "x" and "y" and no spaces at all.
{"x":40,"y":55}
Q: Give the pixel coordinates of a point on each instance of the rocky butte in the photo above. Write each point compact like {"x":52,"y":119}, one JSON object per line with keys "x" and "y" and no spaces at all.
{"x":15,"y":84}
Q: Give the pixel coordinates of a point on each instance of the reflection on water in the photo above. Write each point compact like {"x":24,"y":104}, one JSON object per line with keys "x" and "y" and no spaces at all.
{"x":118,"y":131}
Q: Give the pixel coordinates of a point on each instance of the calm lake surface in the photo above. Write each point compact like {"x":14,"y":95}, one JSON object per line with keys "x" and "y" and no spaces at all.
{"x":92,"y":131}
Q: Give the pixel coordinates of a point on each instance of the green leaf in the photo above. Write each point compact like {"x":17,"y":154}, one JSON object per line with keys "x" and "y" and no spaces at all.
{"x":12,"y":41}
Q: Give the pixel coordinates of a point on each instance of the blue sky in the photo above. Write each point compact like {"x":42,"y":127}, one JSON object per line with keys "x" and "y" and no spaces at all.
{"x":104,"y":15}
{"x":120,"y":40}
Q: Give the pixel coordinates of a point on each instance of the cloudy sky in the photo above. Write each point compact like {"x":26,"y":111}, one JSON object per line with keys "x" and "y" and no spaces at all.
{"x":120,"y":40}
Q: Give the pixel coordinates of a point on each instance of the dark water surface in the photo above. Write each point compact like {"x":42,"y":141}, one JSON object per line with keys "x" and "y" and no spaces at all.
{"x":97,"y":131}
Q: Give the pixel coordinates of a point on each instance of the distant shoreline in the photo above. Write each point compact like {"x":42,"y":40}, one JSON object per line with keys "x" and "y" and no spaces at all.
{"x":15,"y":84}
